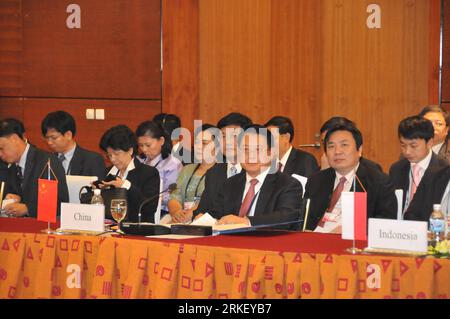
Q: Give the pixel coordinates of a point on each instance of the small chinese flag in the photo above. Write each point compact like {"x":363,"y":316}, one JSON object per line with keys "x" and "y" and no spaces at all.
{"x":47,"y":200}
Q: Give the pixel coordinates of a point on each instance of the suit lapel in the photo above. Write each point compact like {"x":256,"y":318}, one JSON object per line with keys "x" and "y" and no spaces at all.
{"x":76,"y":163}
{"x":290,"y":162}
{"x":265,"y":193}
{"x":30,"y":165}
{"x":237,"y":193}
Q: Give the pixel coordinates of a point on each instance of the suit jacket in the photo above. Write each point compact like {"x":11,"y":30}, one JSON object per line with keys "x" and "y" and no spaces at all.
{"x":400,"y":170}
{"x":35,"y":163}
{"x":214,"y":179}
{"x":381,"y":201}
{"x":370,"y":163}
{"x":301,"y":163}
{"x":444,"y":152}
{"x":87,"y":163}
{"x":430,"y":191}
{"x":3,"y":171}
{"x":279,"y":199}
{"x":144,"y":181}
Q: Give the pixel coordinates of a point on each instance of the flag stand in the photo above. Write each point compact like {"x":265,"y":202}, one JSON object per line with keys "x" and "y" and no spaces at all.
{"x":353,"y":250}
{"x":49,"y":230}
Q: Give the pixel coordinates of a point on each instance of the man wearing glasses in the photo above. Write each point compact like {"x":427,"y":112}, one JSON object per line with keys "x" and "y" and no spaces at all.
{"x":59,"y":129}
{"x":440,"y":119}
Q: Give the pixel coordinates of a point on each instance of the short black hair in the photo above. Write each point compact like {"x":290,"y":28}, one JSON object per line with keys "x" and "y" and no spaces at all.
{"x":11,"y":126}
{"x":154,"y":130}
{"x":234,"y":118}
{"x":336,"y":120}
{"x":349,"y":127}
{"x":416,"y":127}
{"x":202,"y":128}
{"x":119,"y":137}
{"x":169,"y":122}
{"x":260,"y":130}
{"x":436,"y":109}
{"x":60,"y":121}
{"x":284,"y":125}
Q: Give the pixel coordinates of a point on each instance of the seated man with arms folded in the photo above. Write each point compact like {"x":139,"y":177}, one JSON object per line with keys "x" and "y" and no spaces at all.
{"x":27,"y":165}
{"x":343,"y":148}
{"x":59,"y":130}
{"x":141,"y":181}
{"x":259,"y":194}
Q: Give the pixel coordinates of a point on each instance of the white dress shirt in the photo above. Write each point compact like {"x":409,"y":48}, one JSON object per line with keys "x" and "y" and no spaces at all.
{"x":67,"y":159}
{"x":436,"y":148}
{"x":335,"y":217}
{"x":229,"y":168}
{"x":23,"y":159}
{"x":126,"y":183}
{"x":284,"y":159}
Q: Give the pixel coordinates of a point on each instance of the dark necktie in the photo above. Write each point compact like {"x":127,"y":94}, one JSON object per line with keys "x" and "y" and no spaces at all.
{"x":61,"y":157}
{"x":19,"y":174}
{"x":280,"y":167}
{"x":248,"y":200}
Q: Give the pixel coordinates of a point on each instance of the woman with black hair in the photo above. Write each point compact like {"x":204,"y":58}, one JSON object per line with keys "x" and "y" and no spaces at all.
{"x":141,"y":181}
{"x":156,"y":149}
{"x":191,"y":181}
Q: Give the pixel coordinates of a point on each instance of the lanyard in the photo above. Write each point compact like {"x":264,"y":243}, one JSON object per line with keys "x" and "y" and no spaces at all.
{"x":198,"y":184}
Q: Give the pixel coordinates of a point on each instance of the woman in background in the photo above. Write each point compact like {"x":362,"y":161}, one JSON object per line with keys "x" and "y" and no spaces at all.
{"x":191,"y":182}
{"x":156,"y":148}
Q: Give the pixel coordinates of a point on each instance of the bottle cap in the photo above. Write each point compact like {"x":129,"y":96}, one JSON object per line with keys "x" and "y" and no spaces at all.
{"x":437,"y":207}
{"x":97,"y":191}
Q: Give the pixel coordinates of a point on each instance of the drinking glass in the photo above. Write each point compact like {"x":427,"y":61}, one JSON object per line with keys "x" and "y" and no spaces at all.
{"x":118,"y":211}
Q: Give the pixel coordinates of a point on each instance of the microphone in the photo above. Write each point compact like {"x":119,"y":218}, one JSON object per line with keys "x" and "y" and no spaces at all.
{"x":172,"y":187}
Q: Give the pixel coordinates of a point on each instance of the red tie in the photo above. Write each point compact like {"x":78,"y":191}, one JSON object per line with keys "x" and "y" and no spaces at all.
{"x":336,"y":194}
{"x":248,"y":199}
{"x":280,"y":167}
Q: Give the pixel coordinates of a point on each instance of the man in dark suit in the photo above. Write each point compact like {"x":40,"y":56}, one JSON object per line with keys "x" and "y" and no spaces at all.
{"x":230,"y":126}
{"x":290,"y":160}
{"x":323,"y":132}
{"x":59,"y":130}
{"x":343,"y":148}
{"x":440,"y":119}
{"x":27,"y":166}
{"x":259,"y":194}
{"x":433,"y":189}
{"x":416,"y":139}
{"x":171,"y":124}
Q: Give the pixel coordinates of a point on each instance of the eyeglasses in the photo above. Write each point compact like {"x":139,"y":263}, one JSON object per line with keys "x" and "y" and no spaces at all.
{"x":52,"y":137}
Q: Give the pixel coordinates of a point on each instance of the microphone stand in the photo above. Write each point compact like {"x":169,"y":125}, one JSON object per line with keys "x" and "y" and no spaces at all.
{"x":146,"y":201}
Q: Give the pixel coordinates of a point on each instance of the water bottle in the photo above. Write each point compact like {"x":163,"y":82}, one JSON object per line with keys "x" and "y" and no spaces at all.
{"x":437,"y":225}
{"x":97,"y":199}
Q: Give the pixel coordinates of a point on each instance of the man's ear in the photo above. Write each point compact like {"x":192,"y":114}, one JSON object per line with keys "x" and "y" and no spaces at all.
{"x":68,"y":135}
{"x":360,"y":151}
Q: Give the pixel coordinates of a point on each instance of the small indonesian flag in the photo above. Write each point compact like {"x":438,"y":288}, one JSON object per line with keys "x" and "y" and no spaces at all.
{"x":354,"y":215}
{"x":47,"y":200}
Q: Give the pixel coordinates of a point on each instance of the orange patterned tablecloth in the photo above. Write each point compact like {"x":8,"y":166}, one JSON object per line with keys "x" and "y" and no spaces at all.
{"x":48,"y":266}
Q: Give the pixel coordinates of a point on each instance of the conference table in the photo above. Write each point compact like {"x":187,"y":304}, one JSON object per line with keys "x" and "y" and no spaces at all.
{"x":260,"y":265}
